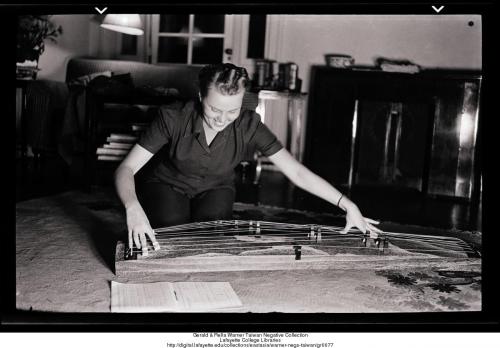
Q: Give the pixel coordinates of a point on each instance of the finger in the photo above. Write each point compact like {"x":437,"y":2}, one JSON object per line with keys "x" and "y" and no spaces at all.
{"x":372,"y":221}
{"x":144,"y":243}
{"x":373,"y":228}
{"x":130,"y":244}
{"x":347,"y":228}
{"x":151,"y":235}
{"x":136,"y":240}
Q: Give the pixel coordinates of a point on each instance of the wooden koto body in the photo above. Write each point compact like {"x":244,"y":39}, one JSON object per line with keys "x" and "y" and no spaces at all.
{"x":236,"y":245}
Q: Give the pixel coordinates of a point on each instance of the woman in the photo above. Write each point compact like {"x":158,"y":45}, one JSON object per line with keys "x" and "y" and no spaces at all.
{"x":192,"y":176}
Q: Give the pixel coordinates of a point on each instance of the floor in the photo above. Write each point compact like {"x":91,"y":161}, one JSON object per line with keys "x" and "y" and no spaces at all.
{"x":384,"y":204}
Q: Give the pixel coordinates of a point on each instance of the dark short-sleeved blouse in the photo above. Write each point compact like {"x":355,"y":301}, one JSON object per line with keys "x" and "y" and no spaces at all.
{"x":183,"y":159}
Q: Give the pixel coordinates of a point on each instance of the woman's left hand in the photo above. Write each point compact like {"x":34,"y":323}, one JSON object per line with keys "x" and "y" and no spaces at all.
{"x":355,"y":219}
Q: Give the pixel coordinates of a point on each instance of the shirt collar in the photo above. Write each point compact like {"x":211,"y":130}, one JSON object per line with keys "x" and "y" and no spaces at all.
{"x":197,"y":118}
{"x":197,"y":123}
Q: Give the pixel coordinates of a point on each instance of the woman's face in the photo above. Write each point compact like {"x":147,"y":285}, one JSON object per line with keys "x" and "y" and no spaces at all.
{"x":220,"y":110}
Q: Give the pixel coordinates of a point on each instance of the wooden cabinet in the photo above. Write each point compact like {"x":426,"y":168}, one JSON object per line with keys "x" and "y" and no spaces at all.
{"x":410,"y":131}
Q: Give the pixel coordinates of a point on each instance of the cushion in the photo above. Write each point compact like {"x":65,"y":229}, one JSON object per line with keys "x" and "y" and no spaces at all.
{"x":85,"y":79}
{"x":115,"y":85}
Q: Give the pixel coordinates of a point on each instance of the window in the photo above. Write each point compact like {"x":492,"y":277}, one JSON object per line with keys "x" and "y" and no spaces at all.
{"x":191,"y":38}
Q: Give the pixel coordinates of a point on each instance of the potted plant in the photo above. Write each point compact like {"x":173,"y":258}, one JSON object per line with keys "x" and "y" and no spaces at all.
{"x":32,"y":31}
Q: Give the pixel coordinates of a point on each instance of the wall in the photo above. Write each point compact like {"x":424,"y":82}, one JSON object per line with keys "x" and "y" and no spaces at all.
{"x":82,"y":36}
{"x":431,"y":41}
{"x":74,"y":41}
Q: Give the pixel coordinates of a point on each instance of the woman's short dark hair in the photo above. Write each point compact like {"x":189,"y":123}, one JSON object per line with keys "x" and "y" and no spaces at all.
{"x":227,"y":78}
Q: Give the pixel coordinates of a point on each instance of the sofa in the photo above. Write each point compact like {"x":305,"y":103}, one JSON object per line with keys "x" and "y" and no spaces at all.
{"x":176,"y":76}
{"x":179,"y":77}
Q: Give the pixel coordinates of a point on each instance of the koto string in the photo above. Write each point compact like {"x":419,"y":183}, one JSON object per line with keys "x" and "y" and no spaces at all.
{"x":317,"y":235}
{"x":277,"y":226}
{"x":324,"y":237}
{"x":304,"y":242}
{"x":258,"y":243}
{"x":200,"y":235}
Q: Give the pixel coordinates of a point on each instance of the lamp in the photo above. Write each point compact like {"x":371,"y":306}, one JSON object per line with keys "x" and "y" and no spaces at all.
{"x":124,"y":23}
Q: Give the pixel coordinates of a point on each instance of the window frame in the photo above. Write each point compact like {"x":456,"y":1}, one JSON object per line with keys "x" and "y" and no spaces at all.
{"x":190,"y":35}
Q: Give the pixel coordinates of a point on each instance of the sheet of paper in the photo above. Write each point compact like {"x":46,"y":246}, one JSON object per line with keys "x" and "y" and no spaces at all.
{"x":172,"y":297}
{"x":206,"y":296}
{"x":140,"y":298}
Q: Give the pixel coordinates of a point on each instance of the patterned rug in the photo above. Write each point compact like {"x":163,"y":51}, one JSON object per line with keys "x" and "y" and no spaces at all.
{"x":65,"y":257}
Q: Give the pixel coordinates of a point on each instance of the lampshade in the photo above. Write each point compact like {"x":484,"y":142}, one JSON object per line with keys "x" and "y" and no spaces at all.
{"x":123,"y":23}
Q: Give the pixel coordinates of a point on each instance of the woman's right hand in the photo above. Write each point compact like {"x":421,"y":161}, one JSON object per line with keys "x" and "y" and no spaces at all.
{"x":138,"y":227}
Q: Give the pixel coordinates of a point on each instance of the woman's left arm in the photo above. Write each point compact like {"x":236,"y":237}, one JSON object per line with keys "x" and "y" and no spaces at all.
{"x":302,"y":177}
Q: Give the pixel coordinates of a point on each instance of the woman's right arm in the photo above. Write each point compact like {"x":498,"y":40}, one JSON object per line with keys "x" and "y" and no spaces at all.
{"x":137,"y":222}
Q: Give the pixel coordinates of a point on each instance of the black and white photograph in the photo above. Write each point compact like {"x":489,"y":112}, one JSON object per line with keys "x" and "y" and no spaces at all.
{"x":238,"y":162}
